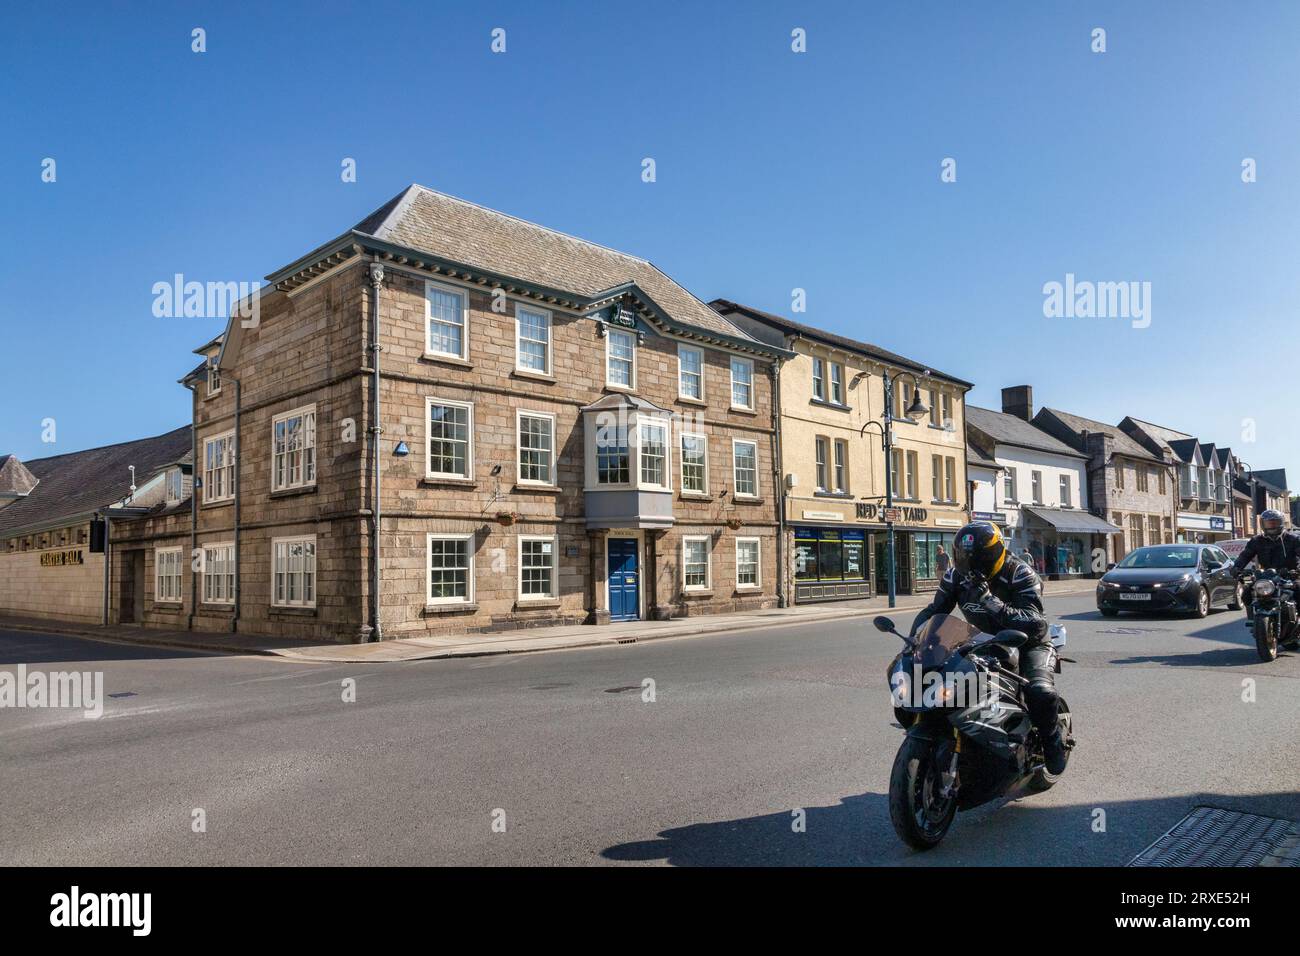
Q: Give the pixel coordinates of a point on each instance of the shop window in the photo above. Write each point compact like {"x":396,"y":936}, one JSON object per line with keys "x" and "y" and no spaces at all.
{"x":931,"y":553}
{"x":829,"y":555}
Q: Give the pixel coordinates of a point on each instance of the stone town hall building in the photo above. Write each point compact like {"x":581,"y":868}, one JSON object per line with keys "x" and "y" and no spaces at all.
{"x":447,"y":419}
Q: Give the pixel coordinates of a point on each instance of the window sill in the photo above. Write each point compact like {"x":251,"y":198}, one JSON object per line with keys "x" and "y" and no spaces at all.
{"x":432,"y":610}
{"x":524,"y":488}
{"x":621,"y":389}
{"x":446,"y":360}
{"x":227,"y":607}
{"x":741,"y":410}
{"x":696,"y":593}
{"x":538,"y":604}
{"x":223,"y":503}
{"x":533,"y":376}
{"x":294,"y":492}
{"x":687,"y":400}
{"x":832,"y":494}
{"x":749,"y":589}
{"x":278,"y":610}
{"x":168,"y":605}
{"x":695,"y":496}
{"x":448,"y":482}
{"x":747,"y":500}
{"x":826,"y":403}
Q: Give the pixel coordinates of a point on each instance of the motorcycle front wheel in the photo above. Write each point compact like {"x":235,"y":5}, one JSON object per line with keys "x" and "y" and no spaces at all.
{"x":1266,"y":637}
{"x":920,"y":814}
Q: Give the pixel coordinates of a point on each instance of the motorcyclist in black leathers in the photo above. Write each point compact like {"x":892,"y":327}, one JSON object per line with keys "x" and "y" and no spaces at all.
{"x":1273,"y":548}
{"x":997,"y":591}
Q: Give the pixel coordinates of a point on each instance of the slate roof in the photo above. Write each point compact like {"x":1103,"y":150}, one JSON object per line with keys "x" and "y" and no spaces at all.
{"x":1124,"y":444}
{"x":1275,"y":478}
{"x":791,"y":327}
{"x":429,"y":221}
{"x":1009,"y":430}
{"x":976,"y":456}
{"x":77,"y":483}
{"x":15,"y":479}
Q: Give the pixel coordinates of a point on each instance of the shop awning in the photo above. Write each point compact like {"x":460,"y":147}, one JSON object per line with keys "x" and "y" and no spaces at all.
{"x":1073,"y":522}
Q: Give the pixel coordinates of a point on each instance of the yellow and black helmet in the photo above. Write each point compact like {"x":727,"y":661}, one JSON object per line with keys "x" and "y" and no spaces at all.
{"x":979,"y":547}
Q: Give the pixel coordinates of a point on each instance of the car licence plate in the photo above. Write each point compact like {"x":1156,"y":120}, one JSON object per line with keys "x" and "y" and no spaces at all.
{"x":1135,"y":597}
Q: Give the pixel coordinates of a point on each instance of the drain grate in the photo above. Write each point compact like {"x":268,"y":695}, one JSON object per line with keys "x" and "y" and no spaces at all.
{"x":1211,"y":836}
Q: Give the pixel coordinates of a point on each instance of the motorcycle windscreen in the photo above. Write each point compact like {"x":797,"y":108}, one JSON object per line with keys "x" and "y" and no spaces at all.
{"x":939,"y":637}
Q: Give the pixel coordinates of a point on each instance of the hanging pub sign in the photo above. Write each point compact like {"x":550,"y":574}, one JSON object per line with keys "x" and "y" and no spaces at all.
{"x":59,"y":559}
{"x":621,"y":316}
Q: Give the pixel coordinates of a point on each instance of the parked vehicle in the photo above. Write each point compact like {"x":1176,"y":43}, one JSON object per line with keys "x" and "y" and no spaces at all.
{"x":1170,"y":577}
{"x":1273,"y":612}
{"x":969,"y":737}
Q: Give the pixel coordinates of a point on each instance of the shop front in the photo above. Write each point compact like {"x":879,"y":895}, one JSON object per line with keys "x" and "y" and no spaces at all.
{"x":831,"y":564}
{"x":1065,"y":543}
{"x":1203,"y":529}
{"x":922,"y":547}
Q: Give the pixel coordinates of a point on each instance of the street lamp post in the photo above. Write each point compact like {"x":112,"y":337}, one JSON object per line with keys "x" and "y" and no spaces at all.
{"x":915,"y":412}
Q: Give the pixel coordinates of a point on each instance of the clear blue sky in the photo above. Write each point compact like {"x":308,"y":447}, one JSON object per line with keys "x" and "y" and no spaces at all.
{"x":775,"y":171}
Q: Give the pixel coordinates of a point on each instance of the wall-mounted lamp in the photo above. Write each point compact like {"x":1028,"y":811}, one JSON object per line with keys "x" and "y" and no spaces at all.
{"x":401,"y":450}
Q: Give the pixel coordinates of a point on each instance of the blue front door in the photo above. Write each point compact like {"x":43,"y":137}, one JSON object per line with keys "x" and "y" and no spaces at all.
{"x":624,"y":602}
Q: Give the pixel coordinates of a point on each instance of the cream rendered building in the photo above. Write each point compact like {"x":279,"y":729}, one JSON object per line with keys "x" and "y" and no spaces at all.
{"x":833,"y":471}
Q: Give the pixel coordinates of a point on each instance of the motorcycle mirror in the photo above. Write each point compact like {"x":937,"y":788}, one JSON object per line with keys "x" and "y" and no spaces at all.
{"x":884,"y":624}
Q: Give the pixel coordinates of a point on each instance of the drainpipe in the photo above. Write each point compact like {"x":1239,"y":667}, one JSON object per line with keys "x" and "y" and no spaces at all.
{"x":239,"y":401}
{"x":108,"y":566}
{"x":376,"y":281}
{"x":779,"y":490}
{"x":194,"y":507}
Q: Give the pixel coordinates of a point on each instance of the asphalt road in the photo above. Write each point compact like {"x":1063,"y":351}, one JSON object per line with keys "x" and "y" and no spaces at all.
{"x":745,"y":729}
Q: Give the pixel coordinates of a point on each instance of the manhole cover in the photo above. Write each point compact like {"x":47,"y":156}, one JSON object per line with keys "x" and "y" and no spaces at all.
{"x":1210,"y":836}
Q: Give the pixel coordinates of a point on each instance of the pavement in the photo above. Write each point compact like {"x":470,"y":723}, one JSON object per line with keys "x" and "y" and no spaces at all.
{"x":769,"y":745}
{"x":506,"y":642}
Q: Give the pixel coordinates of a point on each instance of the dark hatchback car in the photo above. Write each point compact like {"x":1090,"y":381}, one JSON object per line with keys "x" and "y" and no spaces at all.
{"x":1170,"y":577}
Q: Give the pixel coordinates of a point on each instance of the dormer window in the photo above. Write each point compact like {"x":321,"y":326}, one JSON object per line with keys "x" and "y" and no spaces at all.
{"x":175,"y":484}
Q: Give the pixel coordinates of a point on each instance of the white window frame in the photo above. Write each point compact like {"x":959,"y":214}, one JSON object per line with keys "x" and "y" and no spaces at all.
{"x":836,"y":394}
{"x":735,"y":483}
{"x":429,"y":599}
{"x":1067,"y":498}
{"x":758,"y":564}
{"x":821,"y":463}
{"x":287,"y":540}
{"x":704,"y":439}
{"x":209,"y":574}
{"x":550,"y":339}
{"x":429,"y":402}
{"x":1036,"y":486}
{"x":520,"y":415}
{"x":554,"y":591}
{"x":744,"y":363}
{"x":208,"y":472}
{"x":681,"y":372}
{"x":178,"y":477}
{"x":429,"y":350}
{"x":667,"y":427}
{"x":1009,"y":477}
{"x":950,"y":479}
{"x":174,"y":556}
{"x":610,"y":334}
{"x":214,"y":374}
{"x":708,"y":562}
{"x":308,"y":444}
{"x":819,"y":378}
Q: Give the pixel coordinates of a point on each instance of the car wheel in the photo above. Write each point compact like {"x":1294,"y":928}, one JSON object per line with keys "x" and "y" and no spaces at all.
{"x":1238,"y":598}
{"x":1202,"y":603}
{"x":1108,"y":612}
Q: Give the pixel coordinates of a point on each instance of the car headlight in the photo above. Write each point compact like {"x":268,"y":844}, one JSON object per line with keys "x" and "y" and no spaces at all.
{"x":1265,"y":588}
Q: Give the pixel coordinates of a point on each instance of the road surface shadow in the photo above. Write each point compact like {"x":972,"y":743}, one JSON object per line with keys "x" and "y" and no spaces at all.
{"x":857,"y":832}
{"x":36,"y":647}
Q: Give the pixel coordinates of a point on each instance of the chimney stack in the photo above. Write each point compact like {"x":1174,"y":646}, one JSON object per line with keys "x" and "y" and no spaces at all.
{"x":1018,"y":400}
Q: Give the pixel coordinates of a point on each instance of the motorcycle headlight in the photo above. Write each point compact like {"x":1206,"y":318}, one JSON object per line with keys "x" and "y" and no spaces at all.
{"x":1264,"y":588}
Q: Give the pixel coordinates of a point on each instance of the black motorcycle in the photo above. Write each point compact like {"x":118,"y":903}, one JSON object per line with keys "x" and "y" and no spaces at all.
{"x":1273,"y":617}
{"x":959,"y":694}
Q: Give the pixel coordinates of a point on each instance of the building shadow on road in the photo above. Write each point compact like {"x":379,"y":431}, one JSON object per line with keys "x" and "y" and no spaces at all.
{"x":33,"y":647}
{"x":1020,"y":832}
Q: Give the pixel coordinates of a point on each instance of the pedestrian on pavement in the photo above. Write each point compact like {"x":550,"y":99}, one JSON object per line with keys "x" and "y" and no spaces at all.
{"x":940,"y":561}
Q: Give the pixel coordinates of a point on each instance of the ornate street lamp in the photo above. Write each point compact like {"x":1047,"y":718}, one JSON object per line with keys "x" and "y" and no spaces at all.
{"x":915,"y":411}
